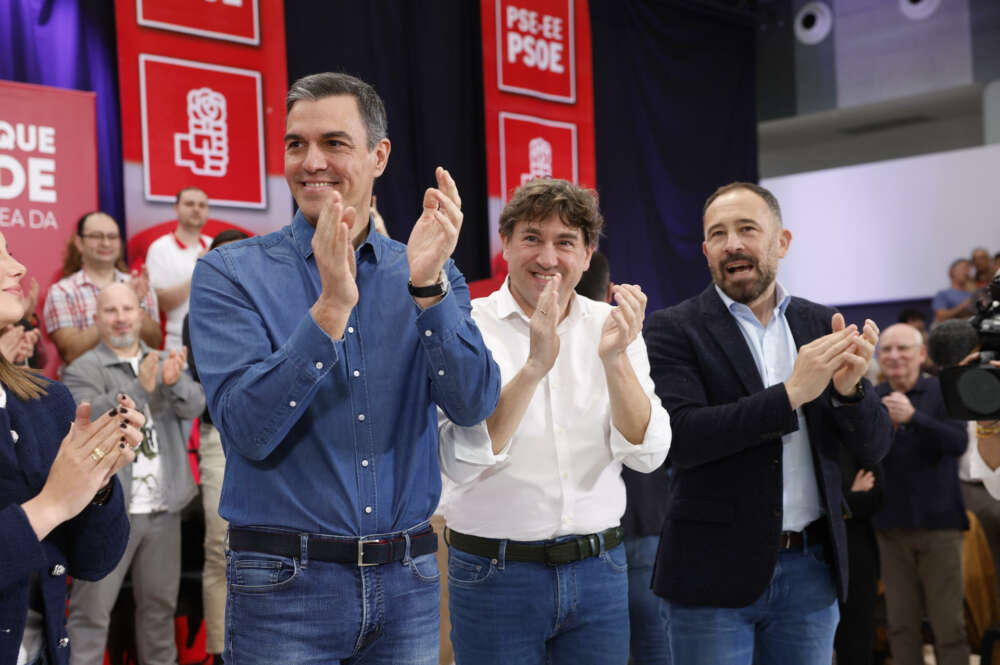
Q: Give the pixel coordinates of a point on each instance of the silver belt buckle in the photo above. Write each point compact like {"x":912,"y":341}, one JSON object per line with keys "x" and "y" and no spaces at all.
{"x":361,"y":553}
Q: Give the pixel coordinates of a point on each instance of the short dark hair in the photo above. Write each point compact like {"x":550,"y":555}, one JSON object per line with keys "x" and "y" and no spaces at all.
{"x":538,"y":199}
{"x":762,"y":192}
{"x":228,"y":235}
{"x":908,"y":314}
{"x":954,"y":264}
{"x":189,"y":188}
{"x":594,"y":281}
{"x":330,"y":84}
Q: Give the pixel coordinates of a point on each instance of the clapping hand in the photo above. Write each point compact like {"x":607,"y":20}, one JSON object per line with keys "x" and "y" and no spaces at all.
{"x":140,"y":283}
{"x":544,"y":344}
{"x":334,"y":254}
{"x":26,"y":347}
{"x":147,"y":371}
{"x":435,"y":234}
{"x":89,"y":456}
{"x":856,"y":358}
{"x":624,"y":323}
{"x":900,"y":408}
{"x":10,"y":342}
{"x":174,"y":365}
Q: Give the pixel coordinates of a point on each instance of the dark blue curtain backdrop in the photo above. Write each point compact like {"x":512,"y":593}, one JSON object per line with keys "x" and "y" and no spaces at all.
{"x":71,"y":44}
{"x":425,"y":60}
{"x":674,"y":108}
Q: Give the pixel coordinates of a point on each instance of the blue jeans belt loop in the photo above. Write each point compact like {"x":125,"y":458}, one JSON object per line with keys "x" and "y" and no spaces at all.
{"x":552,"y":553}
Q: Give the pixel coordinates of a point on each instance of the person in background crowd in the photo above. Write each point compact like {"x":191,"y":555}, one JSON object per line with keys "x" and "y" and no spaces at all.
{"x":996,"y":263}
{"x":212,"y":467}
{"x":864,"y":493}
{"x":170,"y":260}
{"x":155,"y":487}
{"x":71,"y":303}
{"x":61,"y":506}
{"x":763,"y":389}
{"x":920,"y":527}
{"x":537,"y":496}
{"x":913,"y":317}
{"x":954,"y":302}
{"x":325,"y":348}
{"x":645,"y":508}
{"x":916,"y":319}
{"x":983,"y":265}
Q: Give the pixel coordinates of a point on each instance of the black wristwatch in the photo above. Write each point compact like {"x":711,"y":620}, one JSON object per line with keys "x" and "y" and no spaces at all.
{"x":859,"y":394}
{"x":439,"y":289}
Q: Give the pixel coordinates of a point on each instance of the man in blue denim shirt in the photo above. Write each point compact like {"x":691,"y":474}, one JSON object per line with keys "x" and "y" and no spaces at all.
{"x":322,"y":373}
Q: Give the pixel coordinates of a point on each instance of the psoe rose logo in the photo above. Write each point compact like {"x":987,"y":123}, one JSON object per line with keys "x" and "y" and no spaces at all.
{"x":204,"y":149}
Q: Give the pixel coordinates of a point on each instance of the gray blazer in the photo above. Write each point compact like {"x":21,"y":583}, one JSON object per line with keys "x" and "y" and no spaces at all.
{"x":99,"y":375}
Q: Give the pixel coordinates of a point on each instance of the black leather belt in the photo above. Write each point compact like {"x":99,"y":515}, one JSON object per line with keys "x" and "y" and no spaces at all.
{"x":816,"y":533}
{"x":553,"y":554}
{"x":359,"y":551}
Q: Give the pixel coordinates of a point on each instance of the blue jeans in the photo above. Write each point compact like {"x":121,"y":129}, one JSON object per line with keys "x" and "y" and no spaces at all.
{"x":792,"y":623}
{"x":506,"y":612}
{"x":648,"y":643}
{"x":297,"y":610}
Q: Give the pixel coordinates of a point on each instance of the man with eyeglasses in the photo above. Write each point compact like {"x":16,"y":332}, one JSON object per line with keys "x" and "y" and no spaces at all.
{"x":920,"y":526}
{"x":71,"y":303}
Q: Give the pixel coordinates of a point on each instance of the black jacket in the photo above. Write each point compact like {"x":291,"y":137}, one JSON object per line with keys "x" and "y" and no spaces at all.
{"x":719,"y":543}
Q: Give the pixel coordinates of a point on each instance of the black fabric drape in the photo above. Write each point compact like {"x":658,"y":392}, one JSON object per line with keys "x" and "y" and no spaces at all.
{"x":674,"y":114}
{"x":425,"y":60}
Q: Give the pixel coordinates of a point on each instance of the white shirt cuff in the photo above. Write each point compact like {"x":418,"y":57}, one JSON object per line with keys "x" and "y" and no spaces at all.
{"x":648,"y":455}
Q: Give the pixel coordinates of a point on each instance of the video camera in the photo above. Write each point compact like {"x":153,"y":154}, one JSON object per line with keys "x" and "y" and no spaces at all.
{"x":971,"y":392}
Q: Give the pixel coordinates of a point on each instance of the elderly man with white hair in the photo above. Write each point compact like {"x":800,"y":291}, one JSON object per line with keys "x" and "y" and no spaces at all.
{"x":920,"y":527}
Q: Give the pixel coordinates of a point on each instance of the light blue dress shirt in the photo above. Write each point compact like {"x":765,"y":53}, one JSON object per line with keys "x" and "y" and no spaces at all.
{"x":774,"y":352}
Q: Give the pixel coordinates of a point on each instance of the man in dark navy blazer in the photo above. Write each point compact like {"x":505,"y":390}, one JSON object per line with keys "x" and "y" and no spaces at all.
{"x":762,"y":389}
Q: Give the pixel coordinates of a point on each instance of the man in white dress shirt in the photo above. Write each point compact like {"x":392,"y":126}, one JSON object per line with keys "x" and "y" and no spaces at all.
{"x":537,"y":570}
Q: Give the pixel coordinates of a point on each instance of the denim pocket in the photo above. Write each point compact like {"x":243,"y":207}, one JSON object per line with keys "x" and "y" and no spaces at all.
{"x":465,"y":568}
{"x":425,"y":568}
{"x":616,"y":558}
{"x":254,"y":572}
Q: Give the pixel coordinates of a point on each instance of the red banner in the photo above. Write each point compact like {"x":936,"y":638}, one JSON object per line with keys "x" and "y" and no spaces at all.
{"x":48,"y":178}
{"x":203,"y":87}
{"x":539,"y":96}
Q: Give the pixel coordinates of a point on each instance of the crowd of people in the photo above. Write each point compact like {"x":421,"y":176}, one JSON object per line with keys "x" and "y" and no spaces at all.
{"x":722,"y":482}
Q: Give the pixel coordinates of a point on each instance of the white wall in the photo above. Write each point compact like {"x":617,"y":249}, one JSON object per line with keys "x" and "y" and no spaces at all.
{"x":887,"y":230}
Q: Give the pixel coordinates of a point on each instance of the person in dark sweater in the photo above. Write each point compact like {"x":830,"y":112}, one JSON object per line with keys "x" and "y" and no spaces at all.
{"x":920,"y":527}
{"x":864,"y":492}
